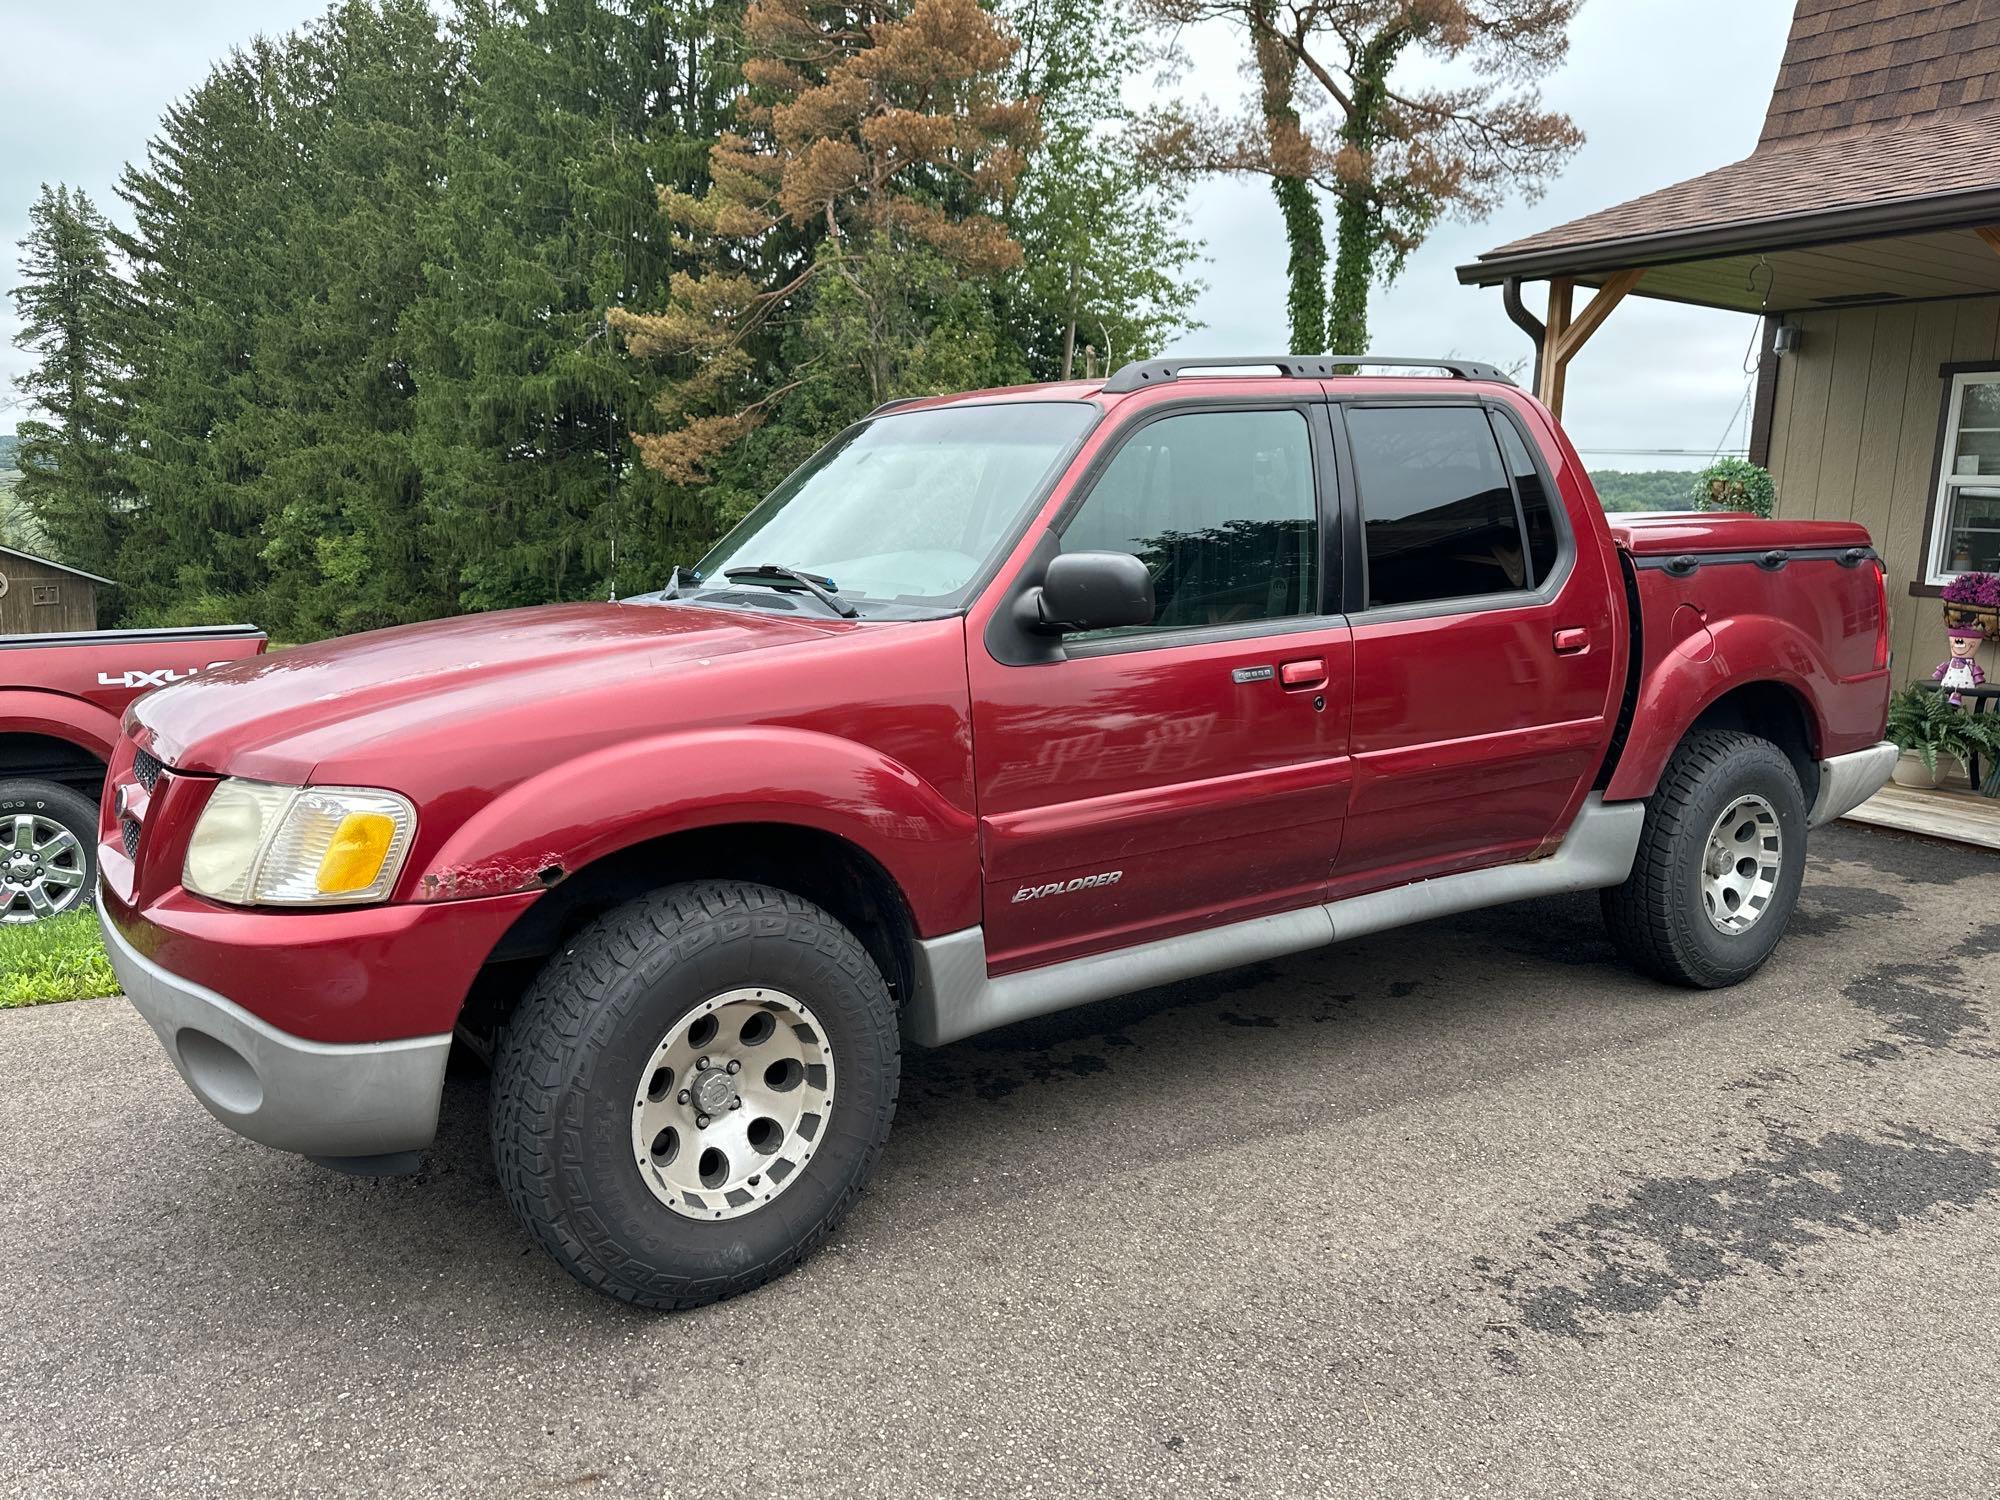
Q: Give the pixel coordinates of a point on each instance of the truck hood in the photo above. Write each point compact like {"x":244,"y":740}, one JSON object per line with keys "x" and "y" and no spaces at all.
{"x":1652,"y":533}
{"x":277,"y":717}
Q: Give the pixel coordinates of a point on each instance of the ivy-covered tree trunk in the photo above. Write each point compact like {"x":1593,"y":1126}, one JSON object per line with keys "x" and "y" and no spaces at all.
{"x":1305,"y":230}
{"x":1358,"y":220}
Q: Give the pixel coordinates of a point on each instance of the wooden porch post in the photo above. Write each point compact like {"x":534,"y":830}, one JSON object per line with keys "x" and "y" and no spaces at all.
{"x":1568,"y":332}
{"x":1561,"y":292}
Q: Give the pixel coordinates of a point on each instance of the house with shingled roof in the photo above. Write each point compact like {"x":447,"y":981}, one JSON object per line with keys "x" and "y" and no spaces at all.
{"x":1864,"y":228}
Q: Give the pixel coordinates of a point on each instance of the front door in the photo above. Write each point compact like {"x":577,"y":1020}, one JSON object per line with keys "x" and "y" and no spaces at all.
{"x":1484,"y":658}
{"x":1192,"y":772}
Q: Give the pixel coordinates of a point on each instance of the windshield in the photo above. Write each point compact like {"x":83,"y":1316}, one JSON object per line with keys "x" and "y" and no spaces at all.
{"x":905,"y":510}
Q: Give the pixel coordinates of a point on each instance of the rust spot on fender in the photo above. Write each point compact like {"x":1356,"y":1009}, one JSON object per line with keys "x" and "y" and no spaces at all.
{"x":497,"y":877}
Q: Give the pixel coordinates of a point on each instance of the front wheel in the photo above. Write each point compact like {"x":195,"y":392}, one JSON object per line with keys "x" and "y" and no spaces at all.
{"x":692,"y":1095}
{"x":1719,"y":863}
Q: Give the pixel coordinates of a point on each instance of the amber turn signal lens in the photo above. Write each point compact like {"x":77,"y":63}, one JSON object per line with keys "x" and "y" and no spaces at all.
{"x":353,"y":860}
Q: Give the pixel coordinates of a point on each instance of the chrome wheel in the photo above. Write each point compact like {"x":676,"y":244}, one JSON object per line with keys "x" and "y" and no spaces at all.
{"x":42,"y":869}
{"x":732,"y":1104}
{"x":1740,"y":865}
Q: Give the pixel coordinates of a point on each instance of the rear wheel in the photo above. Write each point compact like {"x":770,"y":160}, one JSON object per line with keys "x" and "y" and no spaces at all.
{"x":693,"y":1094}
{"x":1719,"y":863}
{"x":48,"y":851}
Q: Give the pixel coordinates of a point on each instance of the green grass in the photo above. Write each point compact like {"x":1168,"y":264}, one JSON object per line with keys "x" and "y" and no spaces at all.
{"x":60,"y":959}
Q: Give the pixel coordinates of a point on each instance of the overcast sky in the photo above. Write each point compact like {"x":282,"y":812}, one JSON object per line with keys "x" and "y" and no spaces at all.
{"x":1663,"y":89}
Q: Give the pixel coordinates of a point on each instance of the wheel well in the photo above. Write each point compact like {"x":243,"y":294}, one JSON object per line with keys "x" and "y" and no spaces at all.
{"x":825,"y":869}
{"x":1774,"y":712}
{"x":45,"y":758}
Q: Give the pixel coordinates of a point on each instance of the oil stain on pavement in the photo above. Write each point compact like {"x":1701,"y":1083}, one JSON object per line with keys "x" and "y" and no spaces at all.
{"x":1670,"y":1241}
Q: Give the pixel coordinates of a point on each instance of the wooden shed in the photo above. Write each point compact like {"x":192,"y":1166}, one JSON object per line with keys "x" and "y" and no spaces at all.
{"x":37,"y":595}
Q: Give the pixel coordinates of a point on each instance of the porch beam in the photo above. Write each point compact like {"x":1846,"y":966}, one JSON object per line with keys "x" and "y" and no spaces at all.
{"x":1992,"y":237}
{"x":1568,"y":331}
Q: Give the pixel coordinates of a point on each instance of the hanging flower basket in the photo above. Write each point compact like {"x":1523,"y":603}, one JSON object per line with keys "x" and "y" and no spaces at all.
{"x":1974,"y":599}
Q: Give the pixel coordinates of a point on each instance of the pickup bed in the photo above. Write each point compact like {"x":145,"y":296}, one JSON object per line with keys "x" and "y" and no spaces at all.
{"x":1002,"y":703}
{"x":61,"y":696}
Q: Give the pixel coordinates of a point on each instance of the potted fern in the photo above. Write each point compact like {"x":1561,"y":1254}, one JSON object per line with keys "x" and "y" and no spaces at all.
{"x":1920,"y":727}
{"x":1926,"y":728}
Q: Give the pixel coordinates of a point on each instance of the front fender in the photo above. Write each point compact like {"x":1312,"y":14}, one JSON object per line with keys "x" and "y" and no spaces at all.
{"x":1703,"y":667}
{"x":577,"y":813}
{"x":60,"y":717}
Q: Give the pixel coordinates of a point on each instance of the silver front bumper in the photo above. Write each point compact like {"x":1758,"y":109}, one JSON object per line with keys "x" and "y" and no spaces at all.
{"x":1847,"y":781}
{"x":322,"y":1099}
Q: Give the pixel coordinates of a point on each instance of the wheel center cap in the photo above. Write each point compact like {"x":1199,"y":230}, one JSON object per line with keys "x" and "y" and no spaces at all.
{"x":712,"y":1091}
{"x":21,"y":869}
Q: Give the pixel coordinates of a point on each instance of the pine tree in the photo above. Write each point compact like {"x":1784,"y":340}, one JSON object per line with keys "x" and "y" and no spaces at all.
{"x":275,"y":247}
{"x":202,"y":210}
{"x":842,"y":219}
{"x":70,"y":304}
{"x":366,"y":110}
{"x":572,"y":112}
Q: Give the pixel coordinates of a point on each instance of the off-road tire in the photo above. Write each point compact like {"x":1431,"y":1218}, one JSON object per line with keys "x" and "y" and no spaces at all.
{"x":57,"y":804}
{"x":573,"y":1051}
{"x":1656,"y":917}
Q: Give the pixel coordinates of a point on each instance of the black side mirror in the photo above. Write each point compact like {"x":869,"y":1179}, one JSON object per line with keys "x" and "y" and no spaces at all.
{"x":1089,"y":591}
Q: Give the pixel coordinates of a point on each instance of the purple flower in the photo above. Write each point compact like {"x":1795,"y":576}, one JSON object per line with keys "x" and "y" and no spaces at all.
{"x":1982,"y":589}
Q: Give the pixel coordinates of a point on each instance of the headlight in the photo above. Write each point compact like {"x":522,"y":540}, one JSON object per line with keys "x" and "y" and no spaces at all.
{"x":264,"y":845}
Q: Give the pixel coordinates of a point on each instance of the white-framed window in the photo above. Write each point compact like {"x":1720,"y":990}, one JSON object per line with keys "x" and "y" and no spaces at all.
{"x":1965,"y":520}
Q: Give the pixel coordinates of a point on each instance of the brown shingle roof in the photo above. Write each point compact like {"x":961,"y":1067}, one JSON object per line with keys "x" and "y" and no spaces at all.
{"x":1917,"y":80}
{"x":1916,"y":162}
{"x":1856,"y":65}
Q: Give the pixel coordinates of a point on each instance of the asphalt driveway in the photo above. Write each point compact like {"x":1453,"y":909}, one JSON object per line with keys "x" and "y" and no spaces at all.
{"x":1466,"y":1209}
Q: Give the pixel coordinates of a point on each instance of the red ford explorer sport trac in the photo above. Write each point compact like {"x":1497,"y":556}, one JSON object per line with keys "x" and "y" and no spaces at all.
{"x":1003,"y":703}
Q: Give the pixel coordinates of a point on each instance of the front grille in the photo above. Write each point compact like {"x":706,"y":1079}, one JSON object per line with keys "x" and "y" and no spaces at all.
{"x":129,"y":829}
{"x":146,"y":770}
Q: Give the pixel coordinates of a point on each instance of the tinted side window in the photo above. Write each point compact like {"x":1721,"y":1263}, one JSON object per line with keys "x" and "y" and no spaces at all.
{"x":1537,"y":505}
{"x":1438,"y":514}
{"x":1220,"y":507}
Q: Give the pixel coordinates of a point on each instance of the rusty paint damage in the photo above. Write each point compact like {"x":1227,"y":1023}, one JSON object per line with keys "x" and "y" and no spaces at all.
{"x":493,"y":877}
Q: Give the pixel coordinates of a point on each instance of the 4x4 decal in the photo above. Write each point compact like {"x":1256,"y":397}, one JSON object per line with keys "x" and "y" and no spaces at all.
{"x":159,"y":678}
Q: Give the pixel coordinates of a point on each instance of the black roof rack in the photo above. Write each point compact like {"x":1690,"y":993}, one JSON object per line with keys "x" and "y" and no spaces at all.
{"x":1145,"y":372}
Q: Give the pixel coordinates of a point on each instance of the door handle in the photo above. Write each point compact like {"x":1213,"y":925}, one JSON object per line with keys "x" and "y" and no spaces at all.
{"x":1572,"y":642}
{"x":1303,"y":676}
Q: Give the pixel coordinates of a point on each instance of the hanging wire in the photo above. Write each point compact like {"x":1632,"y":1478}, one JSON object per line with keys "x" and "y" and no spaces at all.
{"x":1753,"y":356}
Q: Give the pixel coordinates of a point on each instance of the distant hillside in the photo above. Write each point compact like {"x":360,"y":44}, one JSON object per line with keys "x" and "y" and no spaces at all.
{"x":8,"y":443}
{"x":1653,"y":489}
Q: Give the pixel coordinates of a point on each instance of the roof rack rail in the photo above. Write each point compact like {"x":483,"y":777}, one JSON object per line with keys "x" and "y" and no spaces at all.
{"x":1143,"y":372}
{"x":896,"y":401}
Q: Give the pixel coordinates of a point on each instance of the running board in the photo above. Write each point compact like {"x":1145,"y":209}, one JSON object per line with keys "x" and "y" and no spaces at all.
{"x":954,"y":997}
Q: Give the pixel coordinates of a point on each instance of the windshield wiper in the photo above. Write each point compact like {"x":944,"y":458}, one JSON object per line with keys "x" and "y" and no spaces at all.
{"x":771,"y":575}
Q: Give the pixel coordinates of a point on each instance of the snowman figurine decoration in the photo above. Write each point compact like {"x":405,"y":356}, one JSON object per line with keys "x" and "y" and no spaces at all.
{"x":1960,"y":671}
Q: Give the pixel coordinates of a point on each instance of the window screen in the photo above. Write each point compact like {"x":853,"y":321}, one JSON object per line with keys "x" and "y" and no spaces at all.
{"x":1537,"y":505}
{"x":1438,"y":514}
{"x":1220,"y":507}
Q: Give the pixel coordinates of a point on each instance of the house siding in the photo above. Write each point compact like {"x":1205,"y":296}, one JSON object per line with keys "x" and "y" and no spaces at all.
{"x":1854,"y":433}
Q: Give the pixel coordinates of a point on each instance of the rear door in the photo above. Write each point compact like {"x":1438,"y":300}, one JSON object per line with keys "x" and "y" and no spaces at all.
{"x":1141,"y":783}
{"x":1484,"y":657}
